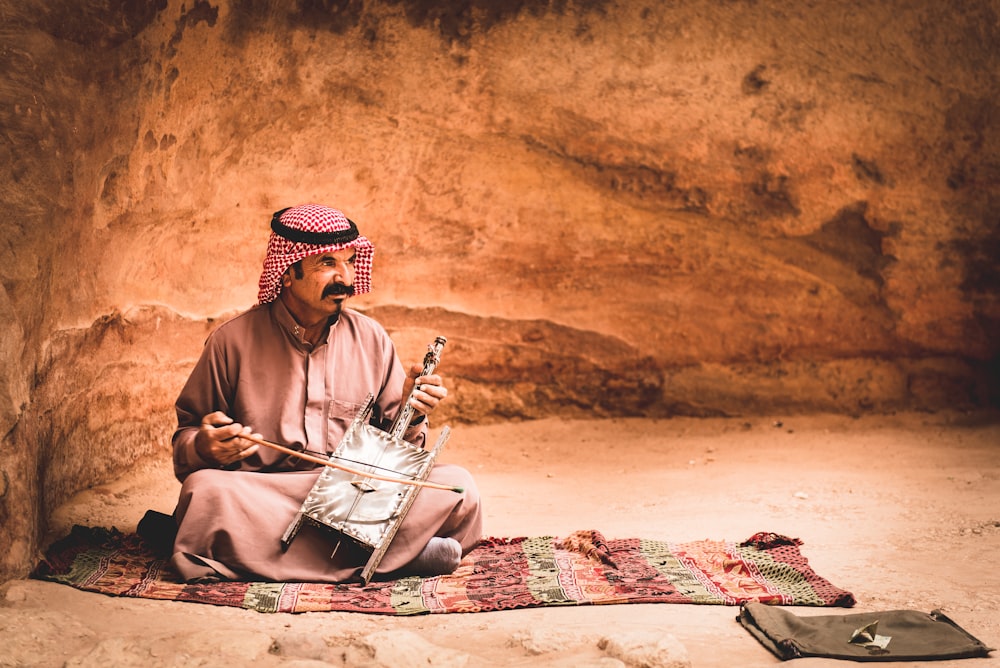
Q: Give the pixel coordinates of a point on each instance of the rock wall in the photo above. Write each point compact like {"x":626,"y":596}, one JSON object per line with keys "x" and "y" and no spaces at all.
{"x":716,"y":207}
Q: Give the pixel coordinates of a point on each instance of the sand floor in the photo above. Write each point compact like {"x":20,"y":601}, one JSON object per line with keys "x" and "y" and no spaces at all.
{"x":901,"y":510}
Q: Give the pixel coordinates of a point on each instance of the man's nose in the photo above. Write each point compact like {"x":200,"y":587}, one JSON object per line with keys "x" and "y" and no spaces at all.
{"x":342,"y":273}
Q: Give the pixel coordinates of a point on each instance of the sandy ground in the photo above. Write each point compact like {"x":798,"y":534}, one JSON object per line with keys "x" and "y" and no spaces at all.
{"x":903,"y":510}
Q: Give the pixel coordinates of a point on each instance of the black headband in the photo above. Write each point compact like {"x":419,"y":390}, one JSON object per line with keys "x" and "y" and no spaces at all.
{"x":315,"y":238}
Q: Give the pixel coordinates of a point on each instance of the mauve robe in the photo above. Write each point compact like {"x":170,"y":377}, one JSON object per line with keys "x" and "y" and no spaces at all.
{"x":256,"y":370}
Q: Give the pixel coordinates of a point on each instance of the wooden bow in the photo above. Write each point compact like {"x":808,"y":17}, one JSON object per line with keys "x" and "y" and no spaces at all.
{"x":348,"y":469}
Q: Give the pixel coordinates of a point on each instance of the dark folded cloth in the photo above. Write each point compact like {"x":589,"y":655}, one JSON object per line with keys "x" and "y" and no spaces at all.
{"x":158,"y":530}
{"x":894,"y":635}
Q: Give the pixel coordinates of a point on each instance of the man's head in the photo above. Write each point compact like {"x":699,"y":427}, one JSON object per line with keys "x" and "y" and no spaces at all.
{"x":309,"y":230}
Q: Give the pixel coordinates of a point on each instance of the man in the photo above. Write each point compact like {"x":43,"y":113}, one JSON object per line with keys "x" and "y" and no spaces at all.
{"x":295,"y":370}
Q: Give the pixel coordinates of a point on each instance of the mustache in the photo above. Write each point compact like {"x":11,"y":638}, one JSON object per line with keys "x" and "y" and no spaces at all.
{"x":335,"y":289}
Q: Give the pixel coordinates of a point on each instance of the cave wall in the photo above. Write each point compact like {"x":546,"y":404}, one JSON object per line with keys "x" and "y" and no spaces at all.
{"x":716,"y":207}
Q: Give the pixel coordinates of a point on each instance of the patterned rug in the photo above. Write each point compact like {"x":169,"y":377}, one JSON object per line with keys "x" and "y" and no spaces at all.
{"x":500,"y":574}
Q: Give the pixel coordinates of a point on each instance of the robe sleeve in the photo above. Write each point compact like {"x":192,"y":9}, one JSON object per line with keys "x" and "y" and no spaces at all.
{"x":390,"y":399}
{"x":208,"y":389}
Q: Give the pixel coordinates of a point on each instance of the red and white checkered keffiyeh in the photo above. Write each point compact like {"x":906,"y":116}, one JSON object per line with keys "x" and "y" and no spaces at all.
{"x":312,"y":219}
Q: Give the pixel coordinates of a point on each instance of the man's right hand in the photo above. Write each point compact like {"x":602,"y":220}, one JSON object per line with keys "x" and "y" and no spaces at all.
{"x":218,"y":440}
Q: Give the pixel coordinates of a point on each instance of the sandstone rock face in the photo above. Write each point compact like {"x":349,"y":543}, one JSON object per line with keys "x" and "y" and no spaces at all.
{"x":609,"y":208}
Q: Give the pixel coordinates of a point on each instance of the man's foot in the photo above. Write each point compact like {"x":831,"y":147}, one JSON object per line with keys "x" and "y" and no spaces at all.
{"x":440,"y":556}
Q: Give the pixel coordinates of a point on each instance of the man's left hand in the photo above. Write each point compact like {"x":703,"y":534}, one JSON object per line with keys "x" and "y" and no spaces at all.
{"x":430,"y":390}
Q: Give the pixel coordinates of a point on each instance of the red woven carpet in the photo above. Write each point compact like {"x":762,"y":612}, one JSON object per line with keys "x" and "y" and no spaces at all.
{"x":501,"y":574}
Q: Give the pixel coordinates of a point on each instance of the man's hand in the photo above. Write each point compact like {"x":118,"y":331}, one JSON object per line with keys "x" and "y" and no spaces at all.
{"x":430,"y":390}
{"x":218,"y":440}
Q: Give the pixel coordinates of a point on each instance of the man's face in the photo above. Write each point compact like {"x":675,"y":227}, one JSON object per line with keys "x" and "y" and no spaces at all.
{"x":326,"y":282}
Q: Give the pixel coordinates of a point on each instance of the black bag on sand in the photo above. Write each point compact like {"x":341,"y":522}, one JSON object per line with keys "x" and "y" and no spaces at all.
{"x":895,"y":635}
